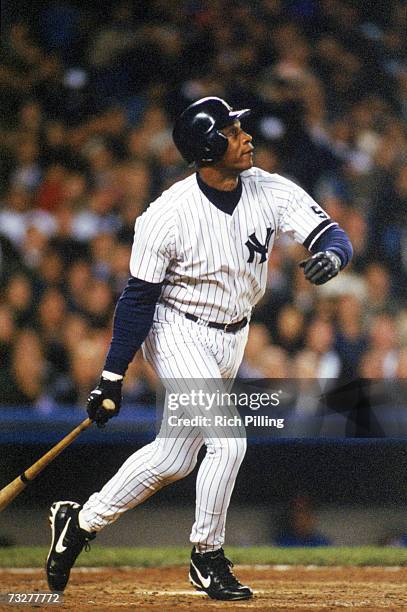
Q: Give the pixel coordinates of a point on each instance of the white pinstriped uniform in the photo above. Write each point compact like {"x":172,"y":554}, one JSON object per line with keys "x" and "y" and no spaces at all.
{"x":212,"y":265}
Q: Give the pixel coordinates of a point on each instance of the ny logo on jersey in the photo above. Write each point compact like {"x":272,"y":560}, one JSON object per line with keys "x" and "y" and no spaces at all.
{"x":255,"y":246}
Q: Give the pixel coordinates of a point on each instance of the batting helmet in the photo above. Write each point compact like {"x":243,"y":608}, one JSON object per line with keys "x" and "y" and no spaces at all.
{"x":197,"y":133}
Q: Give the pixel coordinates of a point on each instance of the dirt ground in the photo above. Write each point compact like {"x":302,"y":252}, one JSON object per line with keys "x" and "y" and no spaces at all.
{"x":276,"y":588}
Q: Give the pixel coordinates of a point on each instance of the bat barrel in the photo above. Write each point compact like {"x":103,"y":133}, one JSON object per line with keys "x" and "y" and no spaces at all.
{"x":9,"y":492}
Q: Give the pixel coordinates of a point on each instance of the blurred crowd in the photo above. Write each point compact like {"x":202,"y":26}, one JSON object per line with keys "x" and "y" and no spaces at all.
{"x":88,"y":99}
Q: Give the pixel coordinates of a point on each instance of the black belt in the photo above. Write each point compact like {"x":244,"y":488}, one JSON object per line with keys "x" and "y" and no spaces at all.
{"x":226,"y":327}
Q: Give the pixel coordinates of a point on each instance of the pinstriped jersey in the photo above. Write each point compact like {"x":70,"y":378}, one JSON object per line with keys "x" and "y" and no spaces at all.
{"x":213,"y":264}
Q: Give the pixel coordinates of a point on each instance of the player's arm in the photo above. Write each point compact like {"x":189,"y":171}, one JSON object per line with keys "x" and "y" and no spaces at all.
{"x":330,"y":254}
{"x":132,"y":321}
{"x":312,"y":227}
{"x":151,"y":253}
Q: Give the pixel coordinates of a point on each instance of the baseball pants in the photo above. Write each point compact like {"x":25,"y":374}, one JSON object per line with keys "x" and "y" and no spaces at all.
{"x":182,"y":353}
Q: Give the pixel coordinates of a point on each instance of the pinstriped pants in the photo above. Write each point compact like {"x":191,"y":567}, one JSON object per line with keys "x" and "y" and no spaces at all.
{"x":181,"y":351}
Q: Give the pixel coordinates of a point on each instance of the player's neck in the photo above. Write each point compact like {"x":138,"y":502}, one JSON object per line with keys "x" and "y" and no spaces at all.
{"x":219,"y":178}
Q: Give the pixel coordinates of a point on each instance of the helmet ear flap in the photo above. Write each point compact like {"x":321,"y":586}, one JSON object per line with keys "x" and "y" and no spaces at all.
{"x":215,"y":146}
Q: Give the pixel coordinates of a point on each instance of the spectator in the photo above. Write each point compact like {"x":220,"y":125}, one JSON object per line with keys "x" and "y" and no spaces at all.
{"x":101,"y":251}
{"x":320,"y":340}
{"x":97,"y":304}
{"x":120,"y":268}
{"x":351,"y":341}
{"x":24,"y":383}
{"x":10,"y":261}
{"x":298,"y":525}
{"x":87,"y":359}
{"x":99,"y":217}
{"x":54,"y":148}
{"x":19,"y":296}
{"x":7,"y":335}
{"x":258,"y":340}
{"x":27,"y":171}
{"x":290,"y":328}
{"x":379,"y":296}
{"x":13,"y":215}
{"x":274,"y":363}
{"x":51,"y":270}
{"x":383,"y":339}
{"x":79,"y":277}
{"x":51,"y":316}
{"x":49,"y":194}
{"x":34,"y":247}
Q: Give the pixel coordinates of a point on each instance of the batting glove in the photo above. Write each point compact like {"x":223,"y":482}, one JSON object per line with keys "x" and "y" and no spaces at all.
{"x":321,"y":267}
{"x":104,"y":402}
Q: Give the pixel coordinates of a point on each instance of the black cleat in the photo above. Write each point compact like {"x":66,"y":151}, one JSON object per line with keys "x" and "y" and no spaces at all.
{"x":68,"y":539}
{"x":212,"y":572}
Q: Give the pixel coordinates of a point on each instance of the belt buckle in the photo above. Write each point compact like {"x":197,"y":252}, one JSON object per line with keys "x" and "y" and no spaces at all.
{"x":225,"y":329}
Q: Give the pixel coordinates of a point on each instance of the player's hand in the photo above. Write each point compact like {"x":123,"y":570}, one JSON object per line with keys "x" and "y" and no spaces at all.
{"x":104,"y":402}
{"x":321,"y":267}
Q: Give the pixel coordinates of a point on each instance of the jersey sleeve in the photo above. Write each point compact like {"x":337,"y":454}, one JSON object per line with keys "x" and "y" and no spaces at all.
{"x":304,"y":218}
{"x":153,"y":244}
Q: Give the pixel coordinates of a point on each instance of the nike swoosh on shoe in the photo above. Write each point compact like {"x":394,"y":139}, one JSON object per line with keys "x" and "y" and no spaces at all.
{"x":60,"y":548}
{"x":206,"y":582}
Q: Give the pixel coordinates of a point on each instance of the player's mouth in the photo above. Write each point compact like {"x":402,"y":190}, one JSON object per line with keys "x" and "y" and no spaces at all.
{"x":249,"y":152}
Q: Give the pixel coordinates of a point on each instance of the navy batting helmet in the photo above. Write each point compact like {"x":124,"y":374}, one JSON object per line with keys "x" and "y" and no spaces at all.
{"x":197,"y":133}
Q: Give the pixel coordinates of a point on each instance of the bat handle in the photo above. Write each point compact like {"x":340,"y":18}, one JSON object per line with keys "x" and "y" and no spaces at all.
{"x":39,"y":465}
{"x":108,"y":404}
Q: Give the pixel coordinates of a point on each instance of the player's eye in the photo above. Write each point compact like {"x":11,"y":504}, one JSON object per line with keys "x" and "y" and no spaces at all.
{"x":233,"y":133}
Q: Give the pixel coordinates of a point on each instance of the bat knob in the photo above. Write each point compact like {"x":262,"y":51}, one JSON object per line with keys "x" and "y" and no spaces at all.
{"x":108,"y":404}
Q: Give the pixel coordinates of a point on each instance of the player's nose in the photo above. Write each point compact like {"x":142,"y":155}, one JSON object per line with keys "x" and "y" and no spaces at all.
{"x":246,"y":137}
{"x":247,"y":142}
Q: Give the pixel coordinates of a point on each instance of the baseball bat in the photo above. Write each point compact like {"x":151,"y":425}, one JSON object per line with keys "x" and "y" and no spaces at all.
{"x":14,"y":488}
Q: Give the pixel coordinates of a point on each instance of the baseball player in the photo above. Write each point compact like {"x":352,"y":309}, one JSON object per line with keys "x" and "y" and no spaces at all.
{"x":198,"y":267}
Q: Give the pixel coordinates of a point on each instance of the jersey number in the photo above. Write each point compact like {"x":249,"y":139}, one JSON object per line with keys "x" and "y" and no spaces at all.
{"x":318,"y":211}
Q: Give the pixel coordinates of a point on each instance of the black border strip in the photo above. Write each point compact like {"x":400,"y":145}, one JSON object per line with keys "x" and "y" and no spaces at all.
{"x":315,"y":231}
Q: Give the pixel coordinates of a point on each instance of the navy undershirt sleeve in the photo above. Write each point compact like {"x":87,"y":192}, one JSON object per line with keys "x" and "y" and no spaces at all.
{"x":335,"y":239}
{"x":133,"y":318}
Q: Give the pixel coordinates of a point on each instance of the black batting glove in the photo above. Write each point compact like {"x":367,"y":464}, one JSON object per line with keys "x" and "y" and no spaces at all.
{"x":321,"y":267}
{"x":109,"y":393}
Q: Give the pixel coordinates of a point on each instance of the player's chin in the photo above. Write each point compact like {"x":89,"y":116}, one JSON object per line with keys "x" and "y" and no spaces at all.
{"x":246,"y":161}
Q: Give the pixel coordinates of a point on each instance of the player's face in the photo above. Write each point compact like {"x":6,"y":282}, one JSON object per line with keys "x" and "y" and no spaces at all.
{"x":239,"y":154}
